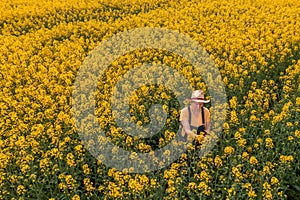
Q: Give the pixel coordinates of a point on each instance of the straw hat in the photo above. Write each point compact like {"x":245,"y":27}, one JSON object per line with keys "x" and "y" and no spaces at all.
{"x":198,"y":96}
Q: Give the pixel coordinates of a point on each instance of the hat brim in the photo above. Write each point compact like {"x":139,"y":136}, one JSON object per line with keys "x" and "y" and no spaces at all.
{"x":199,"y":101}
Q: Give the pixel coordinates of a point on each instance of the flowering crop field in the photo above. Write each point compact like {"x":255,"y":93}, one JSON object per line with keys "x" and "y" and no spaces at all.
{"x":255,"y":45}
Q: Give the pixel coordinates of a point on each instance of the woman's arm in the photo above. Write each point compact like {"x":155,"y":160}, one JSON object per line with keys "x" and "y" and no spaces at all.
{"x":187,"y":128}
{"x":207,"y":127}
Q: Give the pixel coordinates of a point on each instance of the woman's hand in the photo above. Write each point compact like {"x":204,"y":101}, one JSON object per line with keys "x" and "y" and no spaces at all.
{"x":191,"y":135}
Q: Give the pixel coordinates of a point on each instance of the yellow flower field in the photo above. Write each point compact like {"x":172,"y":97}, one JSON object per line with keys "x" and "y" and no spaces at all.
{"x":255,"y":46}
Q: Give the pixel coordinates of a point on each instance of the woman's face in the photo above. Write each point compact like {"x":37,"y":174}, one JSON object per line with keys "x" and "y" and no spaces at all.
{"x":196,"y":105}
